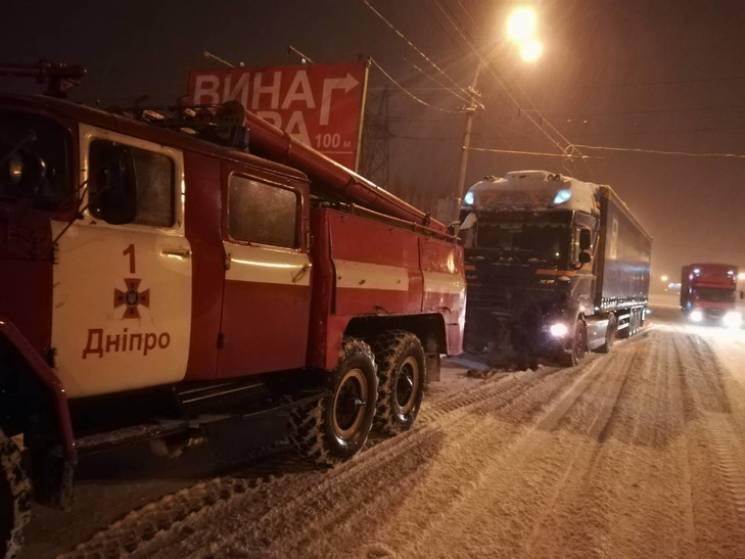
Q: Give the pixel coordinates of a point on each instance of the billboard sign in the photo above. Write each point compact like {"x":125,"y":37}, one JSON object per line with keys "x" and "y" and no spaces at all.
{"x":321,"y":105}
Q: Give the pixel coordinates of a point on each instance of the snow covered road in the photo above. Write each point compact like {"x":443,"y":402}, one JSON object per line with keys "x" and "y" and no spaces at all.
{"x":640,"y":453}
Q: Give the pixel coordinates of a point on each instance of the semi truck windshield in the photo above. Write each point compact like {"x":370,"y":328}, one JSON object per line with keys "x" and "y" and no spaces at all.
{"x":33,"y":159}
{"x":547,"y":242}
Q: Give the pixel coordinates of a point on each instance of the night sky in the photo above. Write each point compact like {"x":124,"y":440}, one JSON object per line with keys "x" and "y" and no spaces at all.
{"x":657,"y":74}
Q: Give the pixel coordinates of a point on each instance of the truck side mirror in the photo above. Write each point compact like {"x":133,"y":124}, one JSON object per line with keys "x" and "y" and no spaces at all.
{"x":112,"y":187}
{"x":585,"y":239}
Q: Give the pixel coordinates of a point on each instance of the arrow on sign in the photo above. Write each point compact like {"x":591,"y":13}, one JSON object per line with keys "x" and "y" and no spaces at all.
{"x":329,"y":85}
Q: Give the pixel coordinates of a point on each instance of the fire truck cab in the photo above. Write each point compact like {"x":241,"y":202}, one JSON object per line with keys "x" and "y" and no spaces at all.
{"x":155,"y":283}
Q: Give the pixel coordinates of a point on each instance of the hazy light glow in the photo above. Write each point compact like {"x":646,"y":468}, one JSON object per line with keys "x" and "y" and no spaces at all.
{"x":531,"y":51}
{"x":521,"y":24}
{"x":664,"y":278}
{"x":732,"y":319}
{"x":696,"y":316}
{"x":468,"y":199}
{"x":558,"y":330}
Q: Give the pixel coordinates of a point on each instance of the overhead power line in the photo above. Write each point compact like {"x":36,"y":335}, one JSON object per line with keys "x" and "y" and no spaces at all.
{"x":409,"y":93}
{"x":702,"y":155}
{"x":457,"y":89}
{"x":533,"y":153}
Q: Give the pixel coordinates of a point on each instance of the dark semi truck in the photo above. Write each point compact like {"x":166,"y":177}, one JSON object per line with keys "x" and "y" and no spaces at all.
{"x":555,"y":267}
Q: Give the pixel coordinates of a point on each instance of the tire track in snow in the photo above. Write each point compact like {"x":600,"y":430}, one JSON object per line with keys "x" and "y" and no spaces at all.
{"x":715,"y":447}
{"x":161,"y":517}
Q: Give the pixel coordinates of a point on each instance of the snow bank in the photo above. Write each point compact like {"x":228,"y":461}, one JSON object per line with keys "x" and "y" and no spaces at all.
{"x":534,"y":191}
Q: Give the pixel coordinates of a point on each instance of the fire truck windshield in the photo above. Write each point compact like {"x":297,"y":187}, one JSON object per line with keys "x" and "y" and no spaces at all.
{"x":547,"y":242}
{"x":33,"y":160}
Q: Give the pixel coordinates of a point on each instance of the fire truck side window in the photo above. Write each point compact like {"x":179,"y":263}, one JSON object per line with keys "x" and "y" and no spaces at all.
{"x":131,"y":185}
{"x":262,"y":213}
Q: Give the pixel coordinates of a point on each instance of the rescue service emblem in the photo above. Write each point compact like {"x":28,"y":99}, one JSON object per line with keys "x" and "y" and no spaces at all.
{"x":132,"y":298}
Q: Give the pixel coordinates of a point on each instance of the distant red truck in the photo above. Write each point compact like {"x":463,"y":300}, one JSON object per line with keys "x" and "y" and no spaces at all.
{"x":708,"y":293}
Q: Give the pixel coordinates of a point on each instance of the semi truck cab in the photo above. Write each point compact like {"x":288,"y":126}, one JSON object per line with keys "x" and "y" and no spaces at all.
{"x":542,"y":268}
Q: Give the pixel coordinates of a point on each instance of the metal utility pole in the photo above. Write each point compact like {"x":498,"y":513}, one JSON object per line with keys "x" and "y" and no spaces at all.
{"x":473,"y":106}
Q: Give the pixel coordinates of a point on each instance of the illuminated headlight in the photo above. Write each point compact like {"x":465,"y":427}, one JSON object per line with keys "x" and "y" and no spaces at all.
{"x":696,"y":316}
{"x":732,"y":319}
{"x":468,"y":199}
{"x":558,"y":330}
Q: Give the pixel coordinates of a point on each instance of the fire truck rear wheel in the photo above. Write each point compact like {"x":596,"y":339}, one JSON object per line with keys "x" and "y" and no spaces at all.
{"x":335,"y":427}
{"x":401,"y":380}
{"x":15,"y":499}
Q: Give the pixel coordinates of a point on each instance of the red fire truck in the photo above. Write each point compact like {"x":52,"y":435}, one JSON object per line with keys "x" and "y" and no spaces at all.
{"x":708,"y":293}
{"x":158,"y":279}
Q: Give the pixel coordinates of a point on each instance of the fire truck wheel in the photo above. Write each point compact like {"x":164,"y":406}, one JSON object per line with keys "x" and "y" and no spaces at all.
{"x":578,"y":348}
{"x":15,"y":499}
{"x":401,"y":380}
{"x":610,"y":334}
{"x":336,"y":426}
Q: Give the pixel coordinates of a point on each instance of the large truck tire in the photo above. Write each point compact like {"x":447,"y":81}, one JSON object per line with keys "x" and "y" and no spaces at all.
{"x":335,"y":427}
{"x":610,"y":334}
{"x":15,"y":499}
{"x":577,"y":350}
{"x":402,"y":375}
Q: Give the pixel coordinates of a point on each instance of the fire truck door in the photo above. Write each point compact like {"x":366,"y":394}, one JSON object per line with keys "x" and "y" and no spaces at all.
{"x":266,"y":300}
{"x":122,"y":279}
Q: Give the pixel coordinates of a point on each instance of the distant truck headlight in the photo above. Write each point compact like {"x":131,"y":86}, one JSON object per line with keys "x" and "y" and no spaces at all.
{"x":558,"y":330}
{"x":696,"y":316}
{"x":732,"y":319}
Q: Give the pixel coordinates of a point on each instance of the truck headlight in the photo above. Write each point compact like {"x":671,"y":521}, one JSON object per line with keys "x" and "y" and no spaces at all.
{"x":732,"y":319}
{"x":558,"y":330}
{"x":696,"y":315}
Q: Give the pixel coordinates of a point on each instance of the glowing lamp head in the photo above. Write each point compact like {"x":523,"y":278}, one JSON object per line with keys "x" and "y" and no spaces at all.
{"x":521,"y":24}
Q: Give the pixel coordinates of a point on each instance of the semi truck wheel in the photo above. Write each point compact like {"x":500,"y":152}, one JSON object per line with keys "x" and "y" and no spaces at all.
{"x":578,"y":347}
{"x":401,"y":380}
{"x":335,"y":427}
{"x":610,"y":334}
{"x":15,"y":499}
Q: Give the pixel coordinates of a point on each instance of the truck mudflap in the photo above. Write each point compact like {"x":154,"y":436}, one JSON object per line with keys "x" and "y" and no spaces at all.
{"x":50,"y":380}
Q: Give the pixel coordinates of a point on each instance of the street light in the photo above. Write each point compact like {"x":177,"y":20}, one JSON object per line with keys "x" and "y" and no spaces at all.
{"x":664,"y":279}
{"x":521,"y":26}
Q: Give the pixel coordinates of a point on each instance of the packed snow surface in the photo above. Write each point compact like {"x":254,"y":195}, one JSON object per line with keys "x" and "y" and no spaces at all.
{"x":534,"y":191}
{"x":638,"y":453}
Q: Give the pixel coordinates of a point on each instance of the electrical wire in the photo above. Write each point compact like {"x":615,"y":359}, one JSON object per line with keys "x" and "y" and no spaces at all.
{"x":411,"y":95}
{"x":459,"y":91}
{"x":567,"y":156}
{"x":432,"y":78}
{"x":705,"y":155}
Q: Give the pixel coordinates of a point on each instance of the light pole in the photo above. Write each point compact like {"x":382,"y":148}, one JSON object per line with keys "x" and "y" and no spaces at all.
{"x":521,"y":25}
